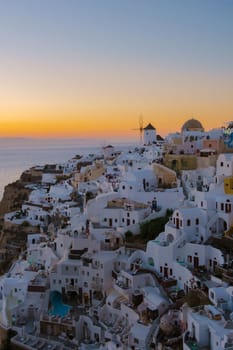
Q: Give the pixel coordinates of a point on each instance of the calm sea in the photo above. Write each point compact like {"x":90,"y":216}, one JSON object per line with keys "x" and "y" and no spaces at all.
{"x":19,"y":154}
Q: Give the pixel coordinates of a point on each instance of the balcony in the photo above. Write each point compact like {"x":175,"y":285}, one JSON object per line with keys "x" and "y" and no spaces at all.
{"x":71,"y":288}
{"x":96,"y":286}
{"x":123,"y":289}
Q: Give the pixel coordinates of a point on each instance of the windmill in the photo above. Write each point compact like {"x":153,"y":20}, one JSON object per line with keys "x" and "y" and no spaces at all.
{"x":140,"y":120}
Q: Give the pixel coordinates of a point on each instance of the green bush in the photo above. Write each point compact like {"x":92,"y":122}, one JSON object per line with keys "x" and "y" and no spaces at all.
{"x":128,"y":235}
{"x":151,"y":229}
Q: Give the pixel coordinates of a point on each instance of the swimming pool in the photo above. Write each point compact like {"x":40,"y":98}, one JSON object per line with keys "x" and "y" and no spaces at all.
{"x":57,"y":306}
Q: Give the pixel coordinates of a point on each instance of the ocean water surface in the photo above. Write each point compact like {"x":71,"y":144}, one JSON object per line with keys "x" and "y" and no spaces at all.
{"x":19,"y":154}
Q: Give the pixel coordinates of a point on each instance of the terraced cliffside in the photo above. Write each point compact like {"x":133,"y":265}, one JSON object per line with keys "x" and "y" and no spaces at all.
{"x":14,"y":196}
{"x":13,"y":237}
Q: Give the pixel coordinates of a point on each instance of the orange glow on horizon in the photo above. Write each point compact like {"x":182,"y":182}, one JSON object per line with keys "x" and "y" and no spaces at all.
{"x":99,"y":108}
{"x":90,"y":70}
{"x":107,"y":103}
{"x":99,"y":126}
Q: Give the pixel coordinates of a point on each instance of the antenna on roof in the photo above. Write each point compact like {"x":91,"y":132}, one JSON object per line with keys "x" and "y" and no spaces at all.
{"x":140,"y":120}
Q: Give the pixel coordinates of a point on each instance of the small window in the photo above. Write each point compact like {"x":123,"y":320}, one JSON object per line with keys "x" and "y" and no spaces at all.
{"x":221,"y":164}
{"x":188,"y":222}
{"x":190,"y":258}
{"x":197,"y":221}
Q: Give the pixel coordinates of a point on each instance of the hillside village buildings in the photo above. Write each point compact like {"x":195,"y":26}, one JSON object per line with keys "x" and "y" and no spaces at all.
{"x":79,"y":285}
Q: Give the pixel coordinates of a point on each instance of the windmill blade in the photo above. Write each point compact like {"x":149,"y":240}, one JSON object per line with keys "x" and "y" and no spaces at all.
{"x":141,"y":126}
{"x":141,"y":121}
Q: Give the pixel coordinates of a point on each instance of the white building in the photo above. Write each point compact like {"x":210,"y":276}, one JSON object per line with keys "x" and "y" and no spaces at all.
{"x":149,"y":134}
{"x":208,"y":329}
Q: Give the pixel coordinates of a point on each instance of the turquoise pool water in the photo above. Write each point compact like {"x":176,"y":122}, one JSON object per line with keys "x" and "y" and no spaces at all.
{"x":57,"y":306}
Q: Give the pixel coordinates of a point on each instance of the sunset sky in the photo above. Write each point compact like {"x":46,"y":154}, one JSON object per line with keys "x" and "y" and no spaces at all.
{"x":74,"y":68}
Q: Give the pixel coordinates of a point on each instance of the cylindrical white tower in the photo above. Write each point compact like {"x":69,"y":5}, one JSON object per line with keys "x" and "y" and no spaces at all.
{"x":149,"y":134}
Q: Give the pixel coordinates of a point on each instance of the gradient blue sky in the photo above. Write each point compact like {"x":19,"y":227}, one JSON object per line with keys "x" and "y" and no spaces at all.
{"x":72,"y":67}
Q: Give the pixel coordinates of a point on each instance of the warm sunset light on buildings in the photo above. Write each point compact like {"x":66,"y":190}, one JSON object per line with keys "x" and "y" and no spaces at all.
{"x":116,"y":177}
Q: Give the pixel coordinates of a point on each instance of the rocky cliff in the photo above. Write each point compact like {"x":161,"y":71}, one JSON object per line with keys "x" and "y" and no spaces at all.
{"x":15,"y":194}
{"x":13,"y":237}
